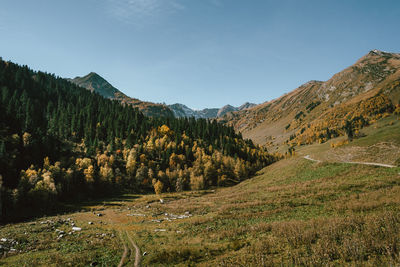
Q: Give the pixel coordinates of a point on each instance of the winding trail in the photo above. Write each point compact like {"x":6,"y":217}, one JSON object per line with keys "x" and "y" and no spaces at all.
{"x":137,"y":250}
{"x":123,"y":258}
{"x":356,"y":162}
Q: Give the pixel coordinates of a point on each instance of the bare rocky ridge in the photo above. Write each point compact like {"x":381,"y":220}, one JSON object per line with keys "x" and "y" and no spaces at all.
{"x":273,"y":122}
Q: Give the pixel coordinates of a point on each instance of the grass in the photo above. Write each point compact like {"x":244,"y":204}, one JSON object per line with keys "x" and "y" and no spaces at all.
{"x":380,"y":142}
{"x":294,"y":212}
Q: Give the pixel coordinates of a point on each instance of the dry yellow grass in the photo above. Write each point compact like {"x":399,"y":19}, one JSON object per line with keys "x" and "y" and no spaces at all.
{"x":295,"y":212}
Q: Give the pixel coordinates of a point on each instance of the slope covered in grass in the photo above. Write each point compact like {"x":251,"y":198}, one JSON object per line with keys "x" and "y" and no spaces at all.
{"x":294,"y":212}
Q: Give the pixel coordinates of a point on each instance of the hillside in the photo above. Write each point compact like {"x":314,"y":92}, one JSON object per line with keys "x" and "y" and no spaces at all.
{"x":318,"y":111}
{"x":95,"y":83}
{"x":181,"y":111}
{"x":61,"y":143}
{"x":293,"y":213}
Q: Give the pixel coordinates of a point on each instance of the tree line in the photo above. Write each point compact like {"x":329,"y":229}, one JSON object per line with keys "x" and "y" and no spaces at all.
{"x":62,"y":143}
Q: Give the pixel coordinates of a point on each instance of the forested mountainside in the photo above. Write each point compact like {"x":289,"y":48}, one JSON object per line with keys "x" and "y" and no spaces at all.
{"x":60,"y":142}
{"x":318,"y":111}
{"x":95,"y":83}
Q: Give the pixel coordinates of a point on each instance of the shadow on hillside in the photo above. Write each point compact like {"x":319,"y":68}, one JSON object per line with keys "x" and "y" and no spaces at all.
{"x":64,"y":208}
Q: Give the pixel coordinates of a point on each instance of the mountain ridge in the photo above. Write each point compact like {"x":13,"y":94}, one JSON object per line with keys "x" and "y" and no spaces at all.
{"x":95,"y":83}
{"x":372,"y":81}
{"x":181,"y":110}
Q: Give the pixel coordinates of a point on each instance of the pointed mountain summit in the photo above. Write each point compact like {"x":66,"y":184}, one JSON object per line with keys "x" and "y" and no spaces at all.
{"x":96,"y":83}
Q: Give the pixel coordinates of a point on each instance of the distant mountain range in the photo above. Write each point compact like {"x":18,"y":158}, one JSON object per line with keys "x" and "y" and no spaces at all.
{"x":314,"y":112}
{"x":181,"y":110}
{"x":98,"y":84}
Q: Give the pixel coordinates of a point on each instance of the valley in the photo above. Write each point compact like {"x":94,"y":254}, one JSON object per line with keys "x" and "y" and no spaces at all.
{"x":158,"y":195}
{"x":293,"y":212}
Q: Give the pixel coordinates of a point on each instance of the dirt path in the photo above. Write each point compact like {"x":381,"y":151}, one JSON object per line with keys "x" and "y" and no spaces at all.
{"x":137,"y":250}
{"x":123,"y":258}
{"x":309,"y":158}
{"x":355,"y":162}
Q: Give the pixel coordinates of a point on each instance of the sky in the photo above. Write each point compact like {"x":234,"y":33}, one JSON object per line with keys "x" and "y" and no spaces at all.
{"x":202,"y":53}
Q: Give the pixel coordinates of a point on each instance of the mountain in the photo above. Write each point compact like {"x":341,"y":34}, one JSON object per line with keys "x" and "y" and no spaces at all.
{"x":318,"y":110}
{"x":59,"y":142}
{"x":181,"y":110}
{"x":96,"y":83}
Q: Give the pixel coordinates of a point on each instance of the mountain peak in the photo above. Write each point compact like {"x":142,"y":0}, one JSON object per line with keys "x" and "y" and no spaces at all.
{"x":377,"y":52}
{"x":96,"y":83}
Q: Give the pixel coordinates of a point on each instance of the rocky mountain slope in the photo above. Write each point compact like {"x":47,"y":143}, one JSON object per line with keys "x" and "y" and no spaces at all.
{"x":181,"y":110}
{"x":317,"y":110}
{"x":98,"y":84}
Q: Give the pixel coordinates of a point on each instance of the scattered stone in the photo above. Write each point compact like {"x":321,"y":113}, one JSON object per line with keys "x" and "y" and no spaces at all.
{"x":99,"y":214}
{"x":157,"y":221}
{"x":148,"y":207}
{"x":136,"y":214}
{"x":161,"y":201}
{"x":90,"y":223}
{"x":160,"y":230}
{"x":95,"y":263}
{"x":76,"y":229}
{"x":3,"y":240}
{"x":145,"y":253}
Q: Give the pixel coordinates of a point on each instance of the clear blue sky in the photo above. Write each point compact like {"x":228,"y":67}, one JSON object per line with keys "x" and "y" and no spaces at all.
{"x":203,"y":53}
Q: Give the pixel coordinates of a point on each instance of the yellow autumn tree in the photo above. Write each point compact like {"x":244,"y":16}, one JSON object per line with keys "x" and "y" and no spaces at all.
{"x":158,"y":187}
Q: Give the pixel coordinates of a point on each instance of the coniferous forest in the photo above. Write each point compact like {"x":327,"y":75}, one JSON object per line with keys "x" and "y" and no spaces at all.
{"x":60,"y":143}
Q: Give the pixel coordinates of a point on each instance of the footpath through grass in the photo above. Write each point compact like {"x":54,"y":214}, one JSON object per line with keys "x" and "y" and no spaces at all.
{"x":295,"y":212}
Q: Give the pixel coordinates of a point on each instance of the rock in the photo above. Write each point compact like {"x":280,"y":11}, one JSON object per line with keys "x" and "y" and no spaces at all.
{"x":99,"y":214}
{"x":145,"y":253}
{"x":136,"y":214}
{"x":160,"y":230}
{"x":90,"y":223}
{"x":94,"y":263}
{"x":148,"y":207}
{"x":161,"y":201}
{"x":3,"y":240}
{"x":76,"y":229}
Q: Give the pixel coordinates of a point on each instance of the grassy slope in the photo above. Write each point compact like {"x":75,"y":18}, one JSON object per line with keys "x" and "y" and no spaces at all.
{"x":294,"y":211}
{"x":381,"y":144}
